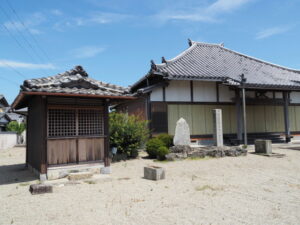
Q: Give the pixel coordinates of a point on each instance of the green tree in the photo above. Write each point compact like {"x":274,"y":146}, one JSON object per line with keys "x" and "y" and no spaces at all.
{"x":16,"y":127}
{"x":127,"y":133}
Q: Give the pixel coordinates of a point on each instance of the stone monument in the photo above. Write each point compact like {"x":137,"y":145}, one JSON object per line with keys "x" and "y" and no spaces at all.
{"x":182,"y":133}
{"x":217,"y":127}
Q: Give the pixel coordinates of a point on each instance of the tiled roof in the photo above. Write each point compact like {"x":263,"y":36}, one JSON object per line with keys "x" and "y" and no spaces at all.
{"x":203,"y":61}
{"x":75,"y":81}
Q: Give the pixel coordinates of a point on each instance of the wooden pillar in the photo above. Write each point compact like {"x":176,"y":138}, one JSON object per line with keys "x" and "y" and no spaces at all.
{"x":106,"y":134}
{"x":43,"y":168}
{"x":239,"y":129}
{"x":286,"y":117}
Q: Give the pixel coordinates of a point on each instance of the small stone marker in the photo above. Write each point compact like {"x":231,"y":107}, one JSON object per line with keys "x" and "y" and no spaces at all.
{"x":182,"y":133}
{"x":40,"y":188}
{"x":263,"y":146}
{"x":217,"y":127}
{"x":154,"y":173}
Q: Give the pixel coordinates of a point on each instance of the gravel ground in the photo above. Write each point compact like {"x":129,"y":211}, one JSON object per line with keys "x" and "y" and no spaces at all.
{"x":244,"y":190}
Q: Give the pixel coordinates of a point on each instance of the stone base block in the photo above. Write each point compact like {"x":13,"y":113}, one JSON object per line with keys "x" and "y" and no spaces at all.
{"x":154,"y":173}
{"x":263,"y":146}
{"x":79,"y":176}
{"x":40,"y":188}
{"x":105,"y":170}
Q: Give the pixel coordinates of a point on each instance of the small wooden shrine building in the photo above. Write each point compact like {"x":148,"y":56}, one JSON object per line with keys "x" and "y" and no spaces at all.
{"x":67,"y":122}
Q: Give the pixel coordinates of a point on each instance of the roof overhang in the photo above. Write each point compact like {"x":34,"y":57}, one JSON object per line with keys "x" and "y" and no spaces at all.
{"x":22,"y":98}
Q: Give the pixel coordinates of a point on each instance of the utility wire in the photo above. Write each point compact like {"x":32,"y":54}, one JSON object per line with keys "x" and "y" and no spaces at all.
{"x":16,"y":71}
{"x":28,"y":31}
{"x":23,"y":37}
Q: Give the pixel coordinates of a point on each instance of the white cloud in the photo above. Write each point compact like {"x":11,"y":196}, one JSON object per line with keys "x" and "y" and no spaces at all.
{"x":271,"y":32}
{"x":87,"y":51}
{"x":24,"y":65}
{"x":56,"y":12}
{"x":209,"y":13}
{"x":91,"y":19}
{"x":31,"y":23}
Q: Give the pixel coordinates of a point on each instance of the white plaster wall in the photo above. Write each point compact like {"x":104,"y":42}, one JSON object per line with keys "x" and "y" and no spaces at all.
{"x":178,"y":91}
{"x":269,"y":94}
{"x":295,"y":97}
{"x":205,"y":91}
{"x":225,"y":94}
{"x":157,"y":94}
{"x":278,"y":95}
{"x":7,"y":140}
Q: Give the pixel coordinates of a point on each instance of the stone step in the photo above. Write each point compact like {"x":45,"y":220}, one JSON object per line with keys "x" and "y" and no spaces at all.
{"x":80,"y":175}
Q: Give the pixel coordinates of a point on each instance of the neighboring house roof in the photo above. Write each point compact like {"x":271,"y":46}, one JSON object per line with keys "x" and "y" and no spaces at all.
{"x":74,"y":82}
{"x":14,"y":116}
{"x":202,"y":61}
{"x":4,"y":119}
{"x":3,"y":102}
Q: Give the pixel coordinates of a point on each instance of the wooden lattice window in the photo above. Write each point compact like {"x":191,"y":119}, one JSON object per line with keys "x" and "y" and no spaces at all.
{"x":75,"y":122}
{"x":90,"y":122}
{"x":62,"y":122}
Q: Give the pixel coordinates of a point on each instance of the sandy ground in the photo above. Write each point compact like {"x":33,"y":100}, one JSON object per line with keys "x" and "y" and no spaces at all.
{"x":244,"y":190}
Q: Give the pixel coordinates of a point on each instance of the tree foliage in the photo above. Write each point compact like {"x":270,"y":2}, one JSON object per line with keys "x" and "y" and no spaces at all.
{"x":16,"y":127}
{"x":127,"y":133}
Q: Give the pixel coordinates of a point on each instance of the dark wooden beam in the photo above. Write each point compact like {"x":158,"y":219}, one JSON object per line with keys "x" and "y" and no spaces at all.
{"x":239,"y":129}
{"x":43,"y":151}
{"x":286,"y":116}
{"x":164,"y":93}
{"x":106,"y":133}
{"x":218,"y":92}
{"x":192,"y":90}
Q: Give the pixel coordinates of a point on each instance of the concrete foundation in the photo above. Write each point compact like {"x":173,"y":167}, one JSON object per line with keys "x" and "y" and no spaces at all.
{"x":63,"y":171}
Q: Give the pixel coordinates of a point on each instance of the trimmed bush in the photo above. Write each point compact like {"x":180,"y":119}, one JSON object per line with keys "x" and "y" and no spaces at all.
{"x":162,"y":152}
{"x":127,"y":133}
{"x":16,"y":127}
{"x":152,"y":147}
{"x":166,"y":139}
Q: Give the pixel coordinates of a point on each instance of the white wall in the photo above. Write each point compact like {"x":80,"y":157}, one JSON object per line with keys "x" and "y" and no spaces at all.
{"x":205,"y":91}
{"x":7,"y":140}
{"x":295,"y":97}
{"x":225,"y":94}
{"x":157,"y":94}
{"x":178,"y":91}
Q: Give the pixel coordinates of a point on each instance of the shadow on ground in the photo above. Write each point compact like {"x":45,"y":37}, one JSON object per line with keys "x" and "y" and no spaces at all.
{"x":15,"y":173}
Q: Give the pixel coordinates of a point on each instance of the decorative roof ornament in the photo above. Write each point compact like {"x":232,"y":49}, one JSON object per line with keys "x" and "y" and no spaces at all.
{"x":222,"y":44}
{"x":163,"y":60}
{"x":153,"y":65}
{"x":190,"y":42}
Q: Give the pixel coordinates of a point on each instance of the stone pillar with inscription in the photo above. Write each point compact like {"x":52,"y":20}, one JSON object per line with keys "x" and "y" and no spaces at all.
{"x":217,"y":127}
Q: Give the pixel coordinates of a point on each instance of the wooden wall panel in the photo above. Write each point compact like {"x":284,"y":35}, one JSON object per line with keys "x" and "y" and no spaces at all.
{"x":279,"y":118}
{"x":90,"y":149}
{"x":159,"y":117}
{"x":297,"y":117}
{"x":260,"y":118}
{"x":292,"y":118}
{"x":173,"y":116}
{"x":61,"y":151}
{"x":198,"y":115}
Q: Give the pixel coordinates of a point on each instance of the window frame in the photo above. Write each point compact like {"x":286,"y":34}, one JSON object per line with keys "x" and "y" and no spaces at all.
{"x":76,"y":109}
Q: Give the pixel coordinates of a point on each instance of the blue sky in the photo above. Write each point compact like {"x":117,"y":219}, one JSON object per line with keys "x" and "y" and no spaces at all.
{"x":115,"y":40}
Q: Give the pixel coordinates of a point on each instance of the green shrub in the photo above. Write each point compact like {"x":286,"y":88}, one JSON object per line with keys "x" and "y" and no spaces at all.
{"x":162,"y":152}
{"x":127,"y":133}
{"x":152,"y":147}
{"x":166,"y":139}
{"x":16,"y":127}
